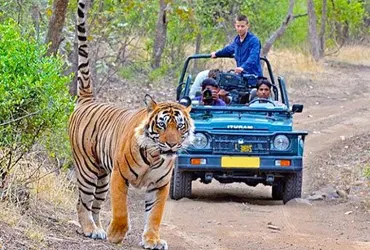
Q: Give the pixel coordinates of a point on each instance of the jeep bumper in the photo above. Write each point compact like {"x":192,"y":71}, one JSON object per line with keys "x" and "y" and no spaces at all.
{"x":188,"y":162}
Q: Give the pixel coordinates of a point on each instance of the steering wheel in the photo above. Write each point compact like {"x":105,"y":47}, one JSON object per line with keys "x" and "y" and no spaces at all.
{"x":262,"y":100}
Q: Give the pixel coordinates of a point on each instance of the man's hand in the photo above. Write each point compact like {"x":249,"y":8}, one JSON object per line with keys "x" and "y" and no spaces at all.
{"x":223,"y":96}
{"x":239,"y":70}
{"x":213,"y":54}
{"x":214,"y":95}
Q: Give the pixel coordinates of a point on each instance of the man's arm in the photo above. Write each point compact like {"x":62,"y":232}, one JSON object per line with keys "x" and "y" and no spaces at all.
{"x":227,"y":51}
{"x":254,"y":56}
{"x":197,"y":85}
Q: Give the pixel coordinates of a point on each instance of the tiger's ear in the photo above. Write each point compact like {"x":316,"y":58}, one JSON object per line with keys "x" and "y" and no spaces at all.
{"x":150,"y":103}
{"x":188,"y":109}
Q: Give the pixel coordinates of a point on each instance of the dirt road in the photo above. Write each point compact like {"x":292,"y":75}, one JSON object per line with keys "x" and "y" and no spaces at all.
{"x":238,"y":217}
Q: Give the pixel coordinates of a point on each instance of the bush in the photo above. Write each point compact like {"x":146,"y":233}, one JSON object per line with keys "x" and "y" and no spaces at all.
{"x":34,"y":97}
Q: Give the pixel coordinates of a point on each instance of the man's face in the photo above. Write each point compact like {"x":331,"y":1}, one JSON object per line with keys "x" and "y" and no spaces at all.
{"x":241,"y":28}
{"x":263,"y":91}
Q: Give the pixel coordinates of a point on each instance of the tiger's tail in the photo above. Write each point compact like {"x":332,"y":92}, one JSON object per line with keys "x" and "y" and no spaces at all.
{"x":84,"y":86}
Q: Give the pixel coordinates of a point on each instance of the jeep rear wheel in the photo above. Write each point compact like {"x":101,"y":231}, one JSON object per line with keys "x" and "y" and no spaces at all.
{"x":292,"y":187}
{"x":180,"y":184}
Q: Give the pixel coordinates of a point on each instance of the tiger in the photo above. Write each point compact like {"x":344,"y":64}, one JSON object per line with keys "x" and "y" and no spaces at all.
{"x":114,"y":147}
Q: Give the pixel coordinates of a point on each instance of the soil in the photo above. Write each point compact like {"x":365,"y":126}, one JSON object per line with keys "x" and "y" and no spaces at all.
{"x":235,"y":216}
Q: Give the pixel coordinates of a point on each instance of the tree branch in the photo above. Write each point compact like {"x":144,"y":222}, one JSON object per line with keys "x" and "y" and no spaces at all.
{"x":281,"y":30}
{"x":20,"y":118}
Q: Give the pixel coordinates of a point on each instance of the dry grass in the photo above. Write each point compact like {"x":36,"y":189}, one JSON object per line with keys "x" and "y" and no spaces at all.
{"x":56,"y":190}
{"x":293,"y":62}
{"x":355,"y":54}
{"x":38,"y":188}
{"x":10,"y":213}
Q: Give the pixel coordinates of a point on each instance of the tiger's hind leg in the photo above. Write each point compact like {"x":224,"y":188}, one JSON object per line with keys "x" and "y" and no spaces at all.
{"x":119,"y":224}
{"x":99,"y":198}
{"x":87,"y":183}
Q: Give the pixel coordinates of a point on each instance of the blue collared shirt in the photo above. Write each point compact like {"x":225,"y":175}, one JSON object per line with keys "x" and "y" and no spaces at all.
{"x":246,"y":53}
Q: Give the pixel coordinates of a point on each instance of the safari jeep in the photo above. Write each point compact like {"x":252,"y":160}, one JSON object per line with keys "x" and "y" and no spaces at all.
{"x":240,"y":142}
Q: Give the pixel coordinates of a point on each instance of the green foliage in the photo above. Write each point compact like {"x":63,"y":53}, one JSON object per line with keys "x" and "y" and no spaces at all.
{"x":127,"y":72}
{"x":34,"y":98}
{"x":158,"y":73}
{"x":367,"y":171}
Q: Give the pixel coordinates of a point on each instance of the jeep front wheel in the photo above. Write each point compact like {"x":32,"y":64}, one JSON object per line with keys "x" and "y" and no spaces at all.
{"x":180,"y":184}
{"x":292,"y":187}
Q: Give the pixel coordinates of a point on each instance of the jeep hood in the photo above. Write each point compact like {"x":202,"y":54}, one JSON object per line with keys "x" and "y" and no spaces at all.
{"x":250,"y":122}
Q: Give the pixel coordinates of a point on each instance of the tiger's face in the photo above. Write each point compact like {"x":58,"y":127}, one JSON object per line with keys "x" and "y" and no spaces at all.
{"x":168,"y":127}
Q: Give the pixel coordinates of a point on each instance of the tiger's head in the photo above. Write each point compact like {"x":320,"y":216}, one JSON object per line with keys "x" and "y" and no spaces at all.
{"x":167,"y":126}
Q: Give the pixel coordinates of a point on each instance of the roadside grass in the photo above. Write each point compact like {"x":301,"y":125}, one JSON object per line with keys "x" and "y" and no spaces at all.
{"x":38,"y":196}
{"x":290,"y":61}
{"x":352,"y":54}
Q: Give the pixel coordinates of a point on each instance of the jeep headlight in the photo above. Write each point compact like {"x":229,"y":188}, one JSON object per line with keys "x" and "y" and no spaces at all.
{"x":200,"y":141}
{"x":281,"y":142}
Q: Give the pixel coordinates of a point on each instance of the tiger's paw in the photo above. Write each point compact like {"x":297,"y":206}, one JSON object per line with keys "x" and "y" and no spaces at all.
{"x":117,"y":232}
{"x":90,"y":230}
{"x":96,"y":234}
{"x":154,"y":244}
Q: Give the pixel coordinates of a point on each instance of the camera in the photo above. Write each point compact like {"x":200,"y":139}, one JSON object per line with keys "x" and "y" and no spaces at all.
{"x":207,"y":97}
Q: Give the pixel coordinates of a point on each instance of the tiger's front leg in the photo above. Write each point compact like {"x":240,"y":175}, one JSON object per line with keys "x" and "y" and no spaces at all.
{"x":155,"y":201}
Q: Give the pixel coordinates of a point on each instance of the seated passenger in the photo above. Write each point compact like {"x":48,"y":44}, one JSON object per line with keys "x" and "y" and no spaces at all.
{"x":213,"y":73}
{"x":264,"y":93}
{"x":209,"y":94}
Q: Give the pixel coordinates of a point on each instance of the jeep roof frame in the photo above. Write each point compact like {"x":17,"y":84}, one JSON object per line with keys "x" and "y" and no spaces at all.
{"x":282,"y":86}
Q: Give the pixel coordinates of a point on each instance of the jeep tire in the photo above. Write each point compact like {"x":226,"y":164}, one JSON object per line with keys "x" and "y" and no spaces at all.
{"x":180,"y":184}
{"x":292,"y":187}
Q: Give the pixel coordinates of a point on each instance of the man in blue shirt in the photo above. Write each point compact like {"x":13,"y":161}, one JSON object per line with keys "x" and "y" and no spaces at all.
{"x":246,"y":49}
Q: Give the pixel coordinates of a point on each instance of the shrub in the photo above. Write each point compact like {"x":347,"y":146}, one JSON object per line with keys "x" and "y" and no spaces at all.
{"x":34,"y":98}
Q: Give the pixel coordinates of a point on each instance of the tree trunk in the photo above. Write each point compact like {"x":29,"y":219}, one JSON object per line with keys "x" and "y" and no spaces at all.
{"x":198,"y":43}
{"x":161,"y":35}
{"x":324,"y":16}
{"x":280,"y":31}
{"x":312,"y":32}
{"x":56,"y":24}
{"x":36,"y":20}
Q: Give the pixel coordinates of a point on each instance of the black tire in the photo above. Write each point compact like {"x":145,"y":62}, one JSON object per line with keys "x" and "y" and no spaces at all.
{"x":180,"y":184}
{"x":292,"y":187}
{"x":278,"y":190}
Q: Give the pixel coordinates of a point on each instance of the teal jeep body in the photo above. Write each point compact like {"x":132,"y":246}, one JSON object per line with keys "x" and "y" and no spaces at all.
{"x":240,"y":142}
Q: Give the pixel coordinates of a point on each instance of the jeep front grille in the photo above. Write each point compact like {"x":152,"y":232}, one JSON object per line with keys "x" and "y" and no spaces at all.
{"x":241,"y":144}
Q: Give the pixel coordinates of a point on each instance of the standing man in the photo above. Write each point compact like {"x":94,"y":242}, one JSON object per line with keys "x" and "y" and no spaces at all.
{"x":246,"y":49}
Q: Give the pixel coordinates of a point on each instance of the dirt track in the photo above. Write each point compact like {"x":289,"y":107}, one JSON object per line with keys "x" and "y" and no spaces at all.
{"x":235,"y":216}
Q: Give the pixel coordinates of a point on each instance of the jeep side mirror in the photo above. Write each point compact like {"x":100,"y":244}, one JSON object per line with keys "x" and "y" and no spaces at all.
{"x":185,"y":101}
{"x":297,"y":108}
